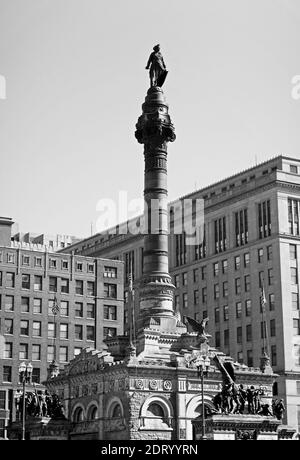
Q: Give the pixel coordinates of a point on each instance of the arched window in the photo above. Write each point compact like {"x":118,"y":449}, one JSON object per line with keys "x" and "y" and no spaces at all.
{"x":207,"y":408}
{"x":155,"y":410}
{"x":92,"y":413}
{"x":78,"y":415}
{"x":116,"y":411}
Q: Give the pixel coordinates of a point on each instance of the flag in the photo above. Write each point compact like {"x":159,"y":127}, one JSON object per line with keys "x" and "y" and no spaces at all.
{"x":55,"y":307}
{"x":262,"y":299}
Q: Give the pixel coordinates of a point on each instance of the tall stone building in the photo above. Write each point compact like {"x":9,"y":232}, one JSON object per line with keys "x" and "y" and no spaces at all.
{"x":146,"y":385}
{"x":250,"y":238}
{"x":87,"y":292}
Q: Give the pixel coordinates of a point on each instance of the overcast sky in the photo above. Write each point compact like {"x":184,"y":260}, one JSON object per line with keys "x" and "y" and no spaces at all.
{"x":76,"y":79}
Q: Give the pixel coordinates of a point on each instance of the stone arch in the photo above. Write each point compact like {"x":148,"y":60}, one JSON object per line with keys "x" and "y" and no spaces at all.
{"x":115,"y":408}
{"x":156,"y":414}
{"x":78,"y":413}
{"x":92,"y":411}
{"x":192,"y":411}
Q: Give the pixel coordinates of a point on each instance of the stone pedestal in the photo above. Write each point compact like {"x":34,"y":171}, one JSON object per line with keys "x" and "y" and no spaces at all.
{"x":41,"y":428}
{"x":237,"y":427}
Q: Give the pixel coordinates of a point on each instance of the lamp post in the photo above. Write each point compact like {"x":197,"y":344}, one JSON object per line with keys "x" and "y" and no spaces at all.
{"x":203,"y":364}
{"x":25,"y":372}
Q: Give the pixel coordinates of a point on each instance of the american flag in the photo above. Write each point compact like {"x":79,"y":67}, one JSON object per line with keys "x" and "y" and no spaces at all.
{"x":262,"y":299}
{"x":55,"y":307}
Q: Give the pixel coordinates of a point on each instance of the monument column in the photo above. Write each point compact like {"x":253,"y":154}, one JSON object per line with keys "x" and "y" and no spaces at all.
{"x":154,"y":129}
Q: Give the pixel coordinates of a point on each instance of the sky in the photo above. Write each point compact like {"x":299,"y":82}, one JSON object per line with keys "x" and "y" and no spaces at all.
{"x":76,"y":79}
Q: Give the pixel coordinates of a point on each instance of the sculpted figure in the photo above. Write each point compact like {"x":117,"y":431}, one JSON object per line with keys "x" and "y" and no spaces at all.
{"x":158,"y":71}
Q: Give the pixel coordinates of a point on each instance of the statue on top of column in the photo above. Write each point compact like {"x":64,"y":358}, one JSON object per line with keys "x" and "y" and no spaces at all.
{"x":158,"y":71}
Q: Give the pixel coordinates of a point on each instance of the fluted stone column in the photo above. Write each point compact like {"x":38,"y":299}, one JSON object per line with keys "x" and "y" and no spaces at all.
{"x":154,"y":129}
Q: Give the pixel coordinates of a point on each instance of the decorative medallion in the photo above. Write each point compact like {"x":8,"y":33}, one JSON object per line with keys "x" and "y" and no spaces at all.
{"x":168,"y":385}
{"x":153,"y":384}
{"x":139,"y":384}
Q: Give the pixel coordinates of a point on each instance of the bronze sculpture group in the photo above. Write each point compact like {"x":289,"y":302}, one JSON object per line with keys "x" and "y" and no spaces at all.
{"x":40,"y":403}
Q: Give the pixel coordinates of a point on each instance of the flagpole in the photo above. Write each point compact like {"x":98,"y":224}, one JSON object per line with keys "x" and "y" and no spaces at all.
{"x":263,"y":303}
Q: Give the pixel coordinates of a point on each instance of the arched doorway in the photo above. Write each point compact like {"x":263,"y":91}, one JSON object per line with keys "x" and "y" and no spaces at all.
{"x":194,"y":410}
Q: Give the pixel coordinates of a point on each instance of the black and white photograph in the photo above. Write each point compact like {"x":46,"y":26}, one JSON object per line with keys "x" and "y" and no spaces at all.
{"x":149,"y":223}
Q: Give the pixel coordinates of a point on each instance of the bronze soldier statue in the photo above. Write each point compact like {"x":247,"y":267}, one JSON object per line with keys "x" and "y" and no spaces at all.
{"x":158,"y":71}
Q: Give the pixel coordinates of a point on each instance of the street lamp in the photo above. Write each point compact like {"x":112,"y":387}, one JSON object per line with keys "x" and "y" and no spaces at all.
{"x":203,"y":364}
{"x":25,"y":372}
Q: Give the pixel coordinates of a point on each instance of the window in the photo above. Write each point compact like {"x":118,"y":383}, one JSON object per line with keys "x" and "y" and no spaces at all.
{"x":36,"y":329}
{"x":36,"y":375}
{"x":200,"y":249}
{"x":10,"y":258}
{"x":184,"y":300}
{"x":79,"y":266}
{"x":237,"y":262}
{"x":263,"y":331}
{"x":196,"y":275}
{"x":225,"y":313}
{"x":293,"y":169}
{"x":249,"y":333}
{"x":8,"y":350}
{"x":184,"y":279}
{"x":37,"y":283}
{"x":260,"y":255}
{"x":204,"y":295}
{"x":176,"y":299}
{"x":52,"y":263}
{"x":50,"y":353}
{"x":64,"y":265}
{"x":25,"y":260}
{"x":217,"y":339}
{"x":0,"y":277}
{"x":8,"y":326}
{"x":295,"y":301}
{"x":224,"y":266}
{"x":51,"y":330}
{"x":25,"y":281}
{"x":220,"y":235}
{"x":296,"y":354}
{"x":10,"y":280}
{"x":110,"y":272}
{"x":52,"y":284}
{"x":7,"y":374}
{"x":216,"y":291}
{"x":270,"y":276}
{"x":296,"y":326}
{"x":261,"y":279}
{"x":272,"y":302}
{"x":24,"y":327}
{"x":293,"y":251}
{"x":180,"y":249}
{"x":248,"y":307}
{"x":79,"y":309}
{"x":78,"y":332}
{"x":293,"y":216}
{"x":226,"y":337}
{"x":64,"y":285}
{"x":77,"y":351}
{"x":239,"y":334}
{"x":63,"y":331}
{"x":196,"y":297}
{"x":36,"y":352}
{"x":217,"y":314}
{"x":63,"y":354}
{"x":126,"y":296}
{"x":90,"y":333}
{"x":247,"y":283}
{"x":249,"y":358}
{"x":246,"y":259}
{"x":298,"y":387}
{"x":110,"y":312}
{"x":110,"y":290}
{"x":241,"y":227}
{"x":176,"y":281}
{"x":294,"y":275}
{"x":238,"y":309}
{"x":269,"y":253}
{"x":264,"y":219}
{"x":38,"y":261}
{"x":91,"y":288}
{"x":273,"y":355}
{"x":23,"y":351}
{"x":216,"y":268}
{"x":203,"y":273}
{"x":272,"y":328}
{"x":9,"y":303}
{"x":237,"y":286}
{"x":79,"y":287}
{"x":240,"y":357}
{"x":64,"y":308}
{"x":91,"y":269}
{"x":109,"y":332}
{"x":25,"y":304}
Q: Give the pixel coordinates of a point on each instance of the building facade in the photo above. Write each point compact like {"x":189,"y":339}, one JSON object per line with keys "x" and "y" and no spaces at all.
{"x":51,"y":307}
{"x":250,"y":239}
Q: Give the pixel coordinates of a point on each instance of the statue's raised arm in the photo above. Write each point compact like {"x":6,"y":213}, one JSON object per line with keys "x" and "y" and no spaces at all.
{"x":156,"y":64}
